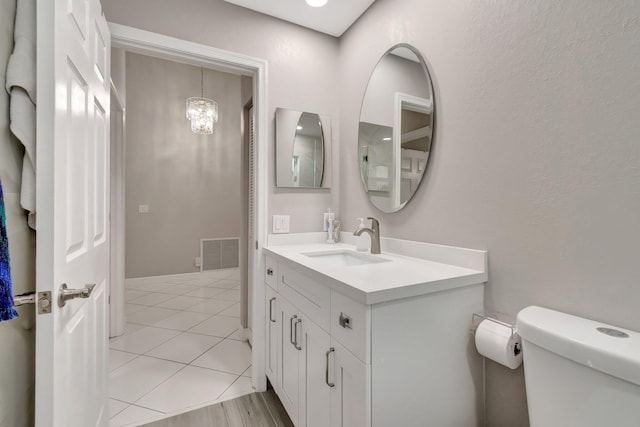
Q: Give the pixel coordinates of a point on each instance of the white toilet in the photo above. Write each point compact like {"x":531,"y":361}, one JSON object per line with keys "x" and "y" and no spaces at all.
{"x":579,"y":373}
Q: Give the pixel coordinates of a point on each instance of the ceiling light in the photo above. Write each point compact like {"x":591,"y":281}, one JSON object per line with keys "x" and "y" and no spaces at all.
{"x":386,"y":139}
{"x":299,"y":127}
{"x":316,"y":3}
{"x":202,"y":112}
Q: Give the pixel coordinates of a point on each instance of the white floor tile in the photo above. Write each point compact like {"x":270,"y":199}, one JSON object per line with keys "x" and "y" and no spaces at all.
{"x":189,"y":387}
{"x":180,"y":302}
{"x":133,"y":308}
{"x":235,"y":275}
{"x":130,"y":328}
{"x":130,"y":294}
{"x":228,"y":356}
{"x":233,"y":311}
{"x":247,"y":372}
{"x":133,"y":414}
{"x":149,"y":287}
{"x":239,"y":388}
{"x":179,"y":289}
{"x":138,"y":377}
{"x":115,"y":407}
{"x":151,"y":298}
{"x":206,"y":292}
{"x":229,"y":295}
{"x":239,"y":334}
{"x":211,"y":306}
{"x":119,"y":358}
{"x":182,"y":320}
{"x":142,"y":340}
{"x":184,"y":348}
{"x":201,"y":281}
{"x":151,"y":315}
{"x":218,"y":326}
{"x":226,"y":284}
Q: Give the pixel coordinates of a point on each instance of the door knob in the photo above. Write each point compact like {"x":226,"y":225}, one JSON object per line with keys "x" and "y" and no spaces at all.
{"x":68,"y":294}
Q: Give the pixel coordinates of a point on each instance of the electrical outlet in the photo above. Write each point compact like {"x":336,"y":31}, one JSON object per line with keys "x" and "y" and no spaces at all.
{"x":198,"y":262}
{"x":143,"y":209}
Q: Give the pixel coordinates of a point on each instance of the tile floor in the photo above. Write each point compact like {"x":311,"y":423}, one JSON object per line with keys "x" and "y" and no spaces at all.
{"x":182,"y":348}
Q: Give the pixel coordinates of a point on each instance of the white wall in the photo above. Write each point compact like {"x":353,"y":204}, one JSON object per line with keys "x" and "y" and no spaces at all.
{"x":191,"y":183}
{"x":17,"y":336}
{"x":302,"y":73}
{"x":535,"y":157}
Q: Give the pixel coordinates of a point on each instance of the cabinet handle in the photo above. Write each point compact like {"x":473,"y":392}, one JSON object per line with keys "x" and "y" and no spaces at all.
{"x":271,"y":309}
{"x":269,"y":271}
{"x":326,"y":372}
{"x":295,"y":333}
{"x":291,"y":330}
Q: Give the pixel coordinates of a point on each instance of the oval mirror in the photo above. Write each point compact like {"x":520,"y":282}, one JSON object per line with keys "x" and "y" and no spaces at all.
{"x":396,"y":128}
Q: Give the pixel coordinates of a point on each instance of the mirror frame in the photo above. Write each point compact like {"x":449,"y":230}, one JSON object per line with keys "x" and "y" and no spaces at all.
{"x":400,"y":98}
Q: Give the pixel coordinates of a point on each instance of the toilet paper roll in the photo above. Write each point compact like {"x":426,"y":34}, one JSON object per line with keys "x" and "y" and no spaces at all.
{"x":498,"y":343}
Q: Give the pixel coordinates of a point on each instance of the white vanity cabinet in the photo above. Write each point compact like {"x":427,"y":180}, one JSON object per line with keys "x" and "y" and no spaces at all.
{"x":319,"y":382}
{"x":361,"y":347}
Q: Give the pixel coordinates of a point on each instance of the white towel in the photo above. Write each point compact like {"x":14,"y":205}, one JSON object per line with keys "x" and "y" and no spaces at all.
{"x":21,"y":85}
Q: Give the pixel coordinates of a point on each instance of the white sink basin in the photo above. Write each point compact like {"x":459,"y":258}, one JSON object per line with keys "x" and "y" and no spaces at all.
{"x":343,"y":257}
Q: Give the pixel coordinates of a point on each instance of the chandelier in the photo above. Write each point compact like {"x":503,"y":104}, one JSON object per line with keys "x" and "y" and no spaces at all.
{"x":202,"y":112}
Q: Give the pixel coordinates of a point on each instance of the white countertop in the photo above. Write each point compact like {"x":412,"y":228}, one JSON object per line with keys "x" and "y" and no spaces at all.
{"x":402,"y":277}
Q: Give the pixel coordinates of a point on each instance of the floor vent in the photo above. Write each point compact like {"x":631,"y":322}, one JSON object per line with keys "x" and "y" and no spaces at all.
{"x":219,"y":253}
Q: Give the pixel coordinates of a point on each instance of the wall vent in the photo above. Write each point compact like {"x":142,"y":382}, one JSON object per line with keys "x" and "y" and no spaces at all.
{"x":220,"y":253}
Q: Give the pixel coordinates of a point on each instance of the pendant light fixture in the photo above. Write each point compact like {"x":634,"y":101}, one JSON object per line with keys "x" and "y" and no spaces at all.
{"x":202,"y":112}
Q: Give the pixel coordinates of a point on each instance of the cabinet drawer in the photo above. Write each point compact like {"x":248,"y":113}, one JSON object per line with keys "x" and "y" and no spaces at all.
{"x":310,"y":297}
{"x":350,"y":325}
{"x":271,"y":272}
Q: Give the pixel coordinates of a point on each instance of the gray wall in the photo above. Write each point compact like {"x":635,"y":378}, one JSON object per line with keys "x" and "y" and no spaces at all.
{"x":535,"y":157}
{"x":192,"y":183}
{"x":17,"y":337}
{"x":302,"y":73}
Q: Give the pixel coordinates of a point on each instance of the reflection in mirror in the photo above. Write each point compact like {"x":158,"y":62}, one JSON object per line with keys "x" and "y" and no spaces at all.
{"x":396,"y":128}
{"x":307,"y":164}
{"x":302,"y":148}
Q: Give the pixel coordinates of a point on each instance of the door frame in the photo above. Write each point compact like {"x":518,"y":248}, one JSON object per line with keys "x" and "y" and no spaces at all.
{"x":170,"y":48}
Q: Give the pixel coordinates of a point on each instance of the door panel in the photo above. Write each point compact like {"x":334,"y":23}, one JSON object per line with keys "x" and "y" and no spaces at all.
{"x":273,"y":336}
{"x":72,"y":241}
{"x":350,"y":405}
{"x":317,"y":393}
{"x":290,"y":361}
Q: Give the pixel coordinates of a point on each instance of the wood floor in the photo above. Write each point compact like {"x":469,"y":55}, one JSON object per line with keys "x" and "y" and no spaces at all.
{"x":252,"y":410}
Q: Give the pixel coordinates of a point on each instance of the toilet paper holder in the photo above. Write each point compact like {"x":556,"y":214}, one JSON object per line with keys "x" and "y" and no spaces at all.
{"x":474,"y":326}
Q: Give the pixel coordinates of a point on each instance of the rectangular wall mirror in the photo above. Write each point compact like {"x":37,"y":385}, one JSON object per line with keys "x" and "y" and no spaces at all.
{"x":303,"y":149}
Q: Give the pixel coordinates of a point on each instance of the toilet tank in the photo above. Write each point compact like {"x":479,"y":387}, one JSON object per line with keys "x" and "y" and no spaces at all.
{"x":579,"y":372}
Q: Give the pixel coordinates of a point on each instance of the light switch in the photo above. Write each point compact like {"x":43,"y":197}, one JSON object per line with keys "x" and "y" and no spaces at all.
{"x":280,"y":224}
{"x":143,"y":209}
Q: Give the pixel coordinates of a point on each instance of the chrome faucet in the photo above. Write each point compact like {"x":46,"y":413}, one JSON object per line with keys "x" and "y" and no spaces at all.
{"x":374,"y":232}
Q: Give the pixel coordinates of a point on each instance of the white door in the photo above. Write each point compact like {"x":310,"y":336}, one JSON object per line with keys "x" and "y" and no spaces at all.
{"x":290,"y":359}
{"x":272,"y":339}
{"x":350,"y":398}
{"x":72,"y":212}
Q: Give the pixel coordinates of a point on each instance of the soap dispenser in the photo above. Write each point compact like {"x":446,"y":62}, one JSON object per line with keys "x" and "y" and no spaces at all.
{"x":362,"y":241}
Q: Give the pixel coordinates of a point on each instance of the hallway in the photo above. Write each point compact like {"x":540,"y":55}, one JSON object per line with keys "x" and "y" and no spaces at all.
{"x":182,"y":347}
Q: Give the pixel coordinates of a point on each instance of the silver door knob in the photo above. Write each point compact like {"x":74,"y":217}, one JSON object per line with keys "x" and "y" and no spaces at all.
{"x":68,"y":294}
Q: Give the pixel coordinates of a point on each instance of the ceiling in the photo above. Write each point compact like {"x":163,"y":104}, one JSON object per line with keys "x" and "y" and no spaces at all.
{"x":334,"y":18}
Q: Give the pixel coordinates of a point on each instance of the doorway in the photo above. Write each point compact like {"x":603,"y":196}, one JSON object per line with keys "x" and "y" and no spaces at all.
{"x":202,"y":285}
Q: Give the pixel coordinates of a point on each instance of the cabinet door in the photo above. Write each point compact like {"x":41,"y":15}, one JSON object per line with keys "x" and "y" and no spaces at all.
{"x":290,"y":359}
{"x":350,"y":398}
{"x":316,"y":397}
{"x":273,"y":336}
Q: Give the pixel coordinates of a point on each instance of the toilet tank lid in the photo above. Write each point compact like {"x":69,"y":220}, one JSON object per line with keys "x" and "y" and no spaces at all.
{"x":580,"y":340}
